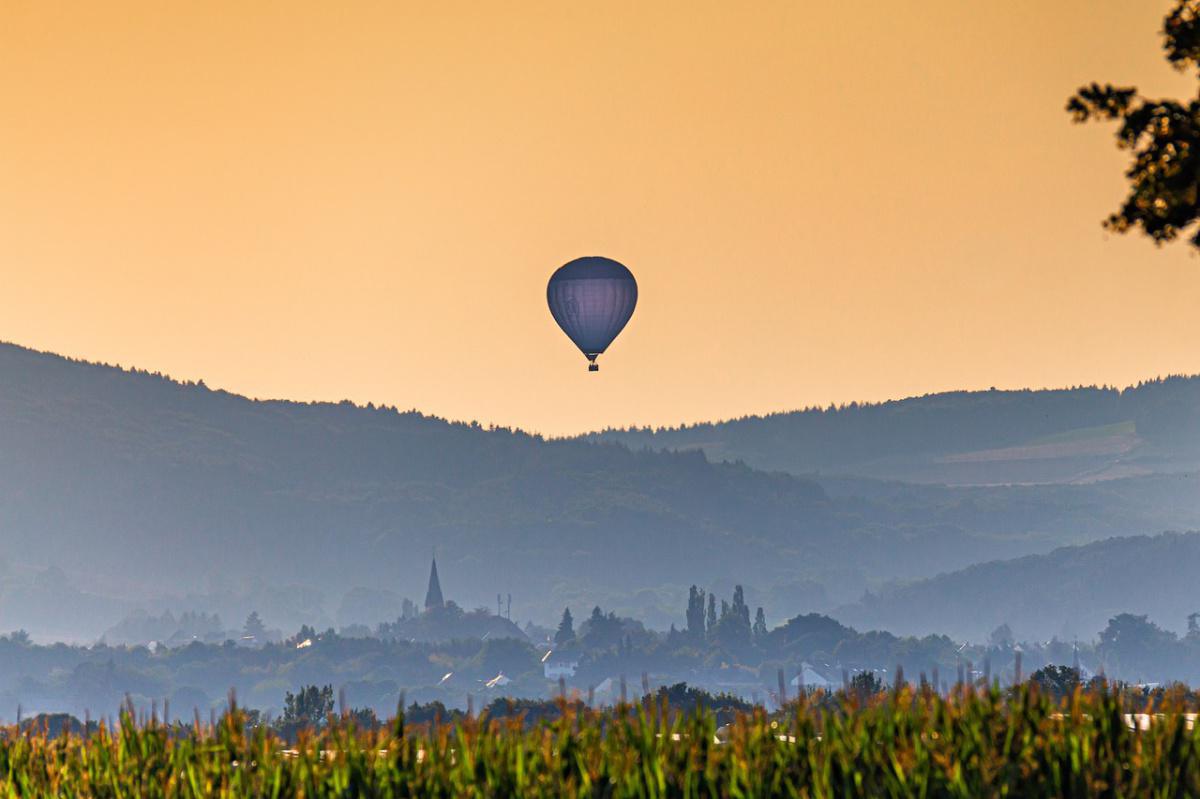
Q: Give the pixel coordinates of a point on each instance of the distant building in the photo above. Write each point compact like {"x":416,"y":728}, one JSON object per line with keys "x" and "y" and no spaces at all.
{"x":605,"y":693}
{"x":559,"y":668}
{"x":433,"y":597}
{"x":810,"y":679}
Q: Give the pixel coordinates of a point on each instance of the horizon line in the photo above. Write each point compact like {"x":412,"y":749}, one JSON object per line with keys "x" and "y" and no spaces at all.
{"x":631,"y":428}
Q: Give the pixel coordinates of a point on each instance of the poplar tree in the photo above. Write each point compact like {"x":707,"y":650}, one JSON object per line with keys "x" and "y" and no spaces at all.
{"x":760,"y":625}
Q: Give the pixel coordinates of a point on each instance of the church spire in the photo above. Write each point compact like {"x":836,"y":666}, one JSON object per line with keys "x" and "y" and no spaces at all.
{"x":433,"y":597}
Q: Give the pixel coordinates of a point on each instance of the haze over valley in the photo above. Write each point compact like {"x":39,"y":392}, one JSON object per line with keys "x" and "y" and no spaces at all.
{"x":126,"y":492}
{"x":587,"y":400}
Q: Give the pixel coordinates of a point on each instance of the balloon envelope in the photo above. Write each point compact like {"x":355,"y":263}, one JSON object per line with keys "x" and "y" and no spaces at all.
{"x":592,"y":299}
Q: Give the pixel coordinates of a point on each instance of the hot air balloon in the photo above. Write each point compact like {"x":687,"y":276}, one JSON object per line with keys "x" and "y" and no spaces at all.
{"x":592,"y":299}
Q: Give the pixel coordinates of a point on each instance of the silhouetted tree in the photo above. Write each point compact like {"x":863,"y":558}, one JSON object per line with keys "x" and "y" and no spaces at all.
{"x":602,"y":630}
{"x":739,"y":607}
{"x":254,"y":628}
{"x":306,"y":633}
{"x":865,"y":684}
{"x":1139,"y":647}
{"x":732,"y":633}
{"x":695,"y":613}
{"x":1058,"y":681}
{"x":711,"y":619}
{"x":364,"y":718}
{"x":1163,"y":135}
{"x":760,"y":625}
{"x":309,"y":707}
{"x":566,"y":629}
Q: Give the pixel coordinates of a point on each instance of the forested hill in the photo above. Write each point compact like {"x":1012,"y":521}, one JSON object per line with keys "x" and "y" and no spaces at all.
{"x":110,"y":471}
{"x":121,"y":489}
{"x":1072,"y":591}
{"x":983,"y":437}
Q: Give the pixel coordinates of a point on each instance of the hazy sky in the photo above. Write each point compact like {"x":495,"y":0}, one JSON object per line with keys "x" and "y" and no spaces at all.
{"x":821,"y":201}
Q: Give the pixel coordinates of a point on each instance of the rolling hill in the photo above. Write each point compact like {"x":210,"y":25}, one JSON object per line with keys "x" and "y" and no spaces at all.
{"x":1072,"y":591}
{"x":964,"y":438}
{"x":121,"y":489}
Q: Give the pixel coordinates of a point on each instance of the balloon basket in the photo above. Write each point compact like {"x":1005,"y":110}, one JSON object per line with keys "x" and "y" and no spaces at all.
{"x":593,"y":367}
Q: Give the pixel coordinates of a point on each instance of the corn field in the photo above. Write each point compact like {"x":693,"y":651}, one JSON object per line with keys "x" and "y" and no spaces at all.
{"x":900,"y":743}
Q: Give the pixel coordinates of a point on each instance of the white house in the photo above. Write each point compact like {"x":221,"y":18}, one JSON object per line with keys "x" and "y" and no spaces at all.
{"x":557,"y":668}
{"x":810,"y":679}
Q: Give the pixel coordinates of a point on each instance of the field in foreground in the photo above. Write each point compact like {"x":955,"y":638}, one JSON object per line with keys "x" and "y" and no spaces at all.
{"x":906,"y":743}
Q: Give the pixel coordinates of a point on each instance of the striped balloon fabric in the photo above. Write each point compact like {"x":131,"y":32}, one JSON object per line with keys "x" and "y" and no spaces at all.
{"x":592,"y":299}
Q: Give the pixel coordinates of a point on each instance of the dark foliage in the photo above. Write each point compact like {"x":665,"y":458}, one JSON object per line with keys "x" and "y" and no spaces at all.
{"x":1057,"y":681}
{"x":1163,"y":136}
{"x":923,"y":438}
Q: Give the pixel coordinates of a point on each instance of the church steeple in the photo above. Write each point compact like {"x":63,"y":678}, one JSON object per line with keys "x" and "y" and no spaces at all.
{"x":433,"y":597}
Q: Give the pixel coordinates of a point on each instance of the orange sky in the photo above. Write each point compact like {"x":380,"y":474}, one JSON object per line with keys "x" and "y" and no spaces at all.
{"x":821,"y":201}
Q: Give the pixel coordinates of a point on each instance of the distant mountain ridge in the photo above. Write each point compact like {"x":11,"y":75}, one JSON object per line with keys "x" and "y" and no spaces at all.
{"x":209,"y":479}
{"x":964,"y":438}
{"x":1072,"y":591}
{"x":122,"y":490}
